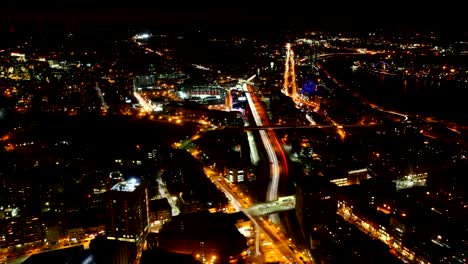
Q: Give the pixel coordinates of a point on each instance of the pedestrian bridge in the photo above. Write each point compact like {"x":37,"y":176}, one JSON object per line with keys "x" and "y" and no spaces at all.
{"x":284,"y":203}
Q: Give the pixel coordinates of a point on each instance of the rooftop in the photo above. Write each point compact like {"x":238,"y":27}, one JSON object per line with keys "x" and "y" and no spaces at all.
{"x":127,"y":186}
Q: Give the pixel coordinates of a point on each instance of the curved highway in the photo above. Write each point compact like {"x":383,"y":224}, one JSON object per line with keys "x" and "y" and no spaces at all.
{"x":271,"y":144}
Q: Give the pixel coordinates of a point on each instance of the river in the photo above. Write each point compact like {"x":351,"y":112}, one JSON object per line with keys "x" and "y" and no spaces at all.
{"x":444,"y":99}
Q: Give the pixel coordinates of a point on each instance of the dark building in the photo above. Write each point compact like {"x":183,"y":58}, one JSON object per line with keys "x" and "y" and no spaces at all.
{"x":159,"y":210}
{"x":284,"y":111}
{"x":160,"y":256}
{"x":127,"y":204}
{"x":348,"y":244}
{"x":112,"y":251}
{"x":316,"y":206}
{"x":207,"y":237}
{"x":70,"y":255}
{"x":409,"y":221}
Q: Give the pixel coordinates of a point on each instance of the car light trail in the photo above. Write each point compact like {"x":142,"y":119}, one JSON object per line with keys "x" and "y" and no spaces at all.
{"x":101,"y":97}
{"x":147,"y":107}
{"x":272,"y":193}
{"x":254,"y":157}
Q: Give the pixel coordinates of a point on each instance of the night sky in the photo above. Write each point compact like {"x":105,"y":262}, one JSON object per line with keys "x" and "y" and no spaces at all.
{"x":238,"y":14}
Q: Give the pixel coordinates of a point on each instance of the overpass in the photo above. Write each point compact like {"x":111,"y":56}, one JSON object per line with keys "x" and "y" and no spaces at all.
{"x":283,"y":203}
{"x":266,"y":127}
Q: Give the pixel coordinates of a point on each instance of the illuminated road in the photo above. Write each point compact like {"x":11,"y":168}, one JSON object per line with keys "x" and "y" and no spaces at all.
{"x":164,"y":193}
{"x":104,"y":105}
{"x":287,"y":252}
{"x":307,"y":126}
{"x":274,"y":150}
{"x":255,"y":106}
{"x":144,"y":103}
{"x":282,"y":204}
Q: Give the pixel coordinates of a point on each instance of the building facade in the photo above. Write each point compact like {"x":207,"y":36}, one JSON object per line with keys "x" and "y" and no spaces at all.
{"x":128,"y":217}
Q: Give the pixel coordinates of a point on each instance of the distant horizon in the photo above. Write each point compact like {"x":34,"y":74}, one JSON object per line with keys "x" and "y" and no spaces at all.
{"x":29,"y":15}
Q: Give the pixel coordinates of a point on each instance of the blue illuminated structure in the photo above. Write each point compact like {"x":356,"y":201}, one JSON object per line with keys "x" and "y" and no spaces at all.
{"x":309,"y":87}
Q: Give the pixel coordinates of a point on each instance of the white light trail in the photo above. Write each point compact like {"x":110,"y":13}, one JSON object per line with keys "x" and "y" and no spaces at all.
{"x":251,"y":78}
{"x":254,"y":157}
{"x":201,"y":67}
{"x":274,"y":167}
{"x":311,"y":121}
{"x":99,"y":92}
{"x":147,"y":107}
{"x":164,"y":193}
{"x":258,"y":120}
{"x":273,"y":186}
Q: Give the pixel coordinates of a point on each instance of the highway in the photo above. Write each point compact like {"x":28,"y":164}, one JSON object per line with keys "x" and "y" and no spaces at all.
{"x":287,"y":252}
{"x":282,"y":204}
{"x":338,"y":126}
{"x":277,"y":160}
{"x":144,"y":103}
{"x":255,"y":106}
{"x":269,"y":140}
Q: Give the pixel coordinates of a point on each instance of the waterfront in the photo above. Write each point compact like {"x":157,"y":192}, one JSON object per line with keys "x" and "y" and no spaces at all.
{"x":443,"y":99}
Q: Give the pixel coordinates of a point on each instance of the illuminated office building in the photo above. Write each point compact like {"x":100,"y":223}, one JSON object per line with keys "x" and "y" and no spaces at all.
{"x":127,"y":203}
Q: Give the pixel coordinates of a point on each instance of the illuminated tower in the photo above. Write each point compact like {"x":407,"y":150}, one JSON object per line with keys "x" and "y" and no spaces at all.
{"x":128,"y":214}
{"x":289,"y":86}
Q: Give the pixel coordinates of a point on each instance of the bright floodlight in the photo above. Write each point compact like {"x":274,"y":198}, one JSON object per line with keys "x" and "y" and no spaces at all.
{"x":142,"y":36}
{"x":132,"y":181}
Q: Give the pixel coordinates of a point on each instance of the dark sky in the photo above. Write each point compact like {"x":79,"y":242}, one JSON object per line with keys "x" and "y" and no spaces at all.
{"x":346,"y":15}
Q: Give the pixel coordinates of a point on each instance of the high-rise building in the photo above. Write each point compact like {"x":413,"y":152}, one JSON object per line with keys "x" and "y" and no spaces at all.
{"x":127,"y":204}
{"x":20,"y":216}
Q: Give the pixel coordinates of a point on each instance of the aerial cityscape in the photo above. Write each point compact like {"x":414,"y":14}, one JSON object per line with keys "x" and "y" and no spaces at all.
{"x":161,"y":137}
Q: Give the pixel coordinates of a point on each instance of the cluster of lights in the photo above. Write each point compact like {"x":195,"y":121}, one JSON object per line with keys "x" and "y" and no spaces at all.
{"x":289,"y":72}
{"x":142,"y":36}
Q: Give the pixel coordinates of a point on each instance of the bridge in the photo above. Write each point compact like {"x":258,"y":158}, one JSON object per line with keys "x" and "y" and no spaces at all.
{"x":283,"y":203}
{"x":268,"y":127}
{"x":306,"y":126}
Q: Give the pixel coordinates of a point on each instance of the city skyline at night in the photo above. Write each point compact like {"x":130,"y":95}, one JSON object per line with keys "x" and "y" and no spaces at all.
{"x":233,"y":132}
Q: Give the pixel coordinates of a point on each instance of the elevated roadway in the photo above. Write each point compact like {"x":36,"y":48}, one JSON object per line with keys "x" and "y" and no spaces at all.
{"x":284,"y":203}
